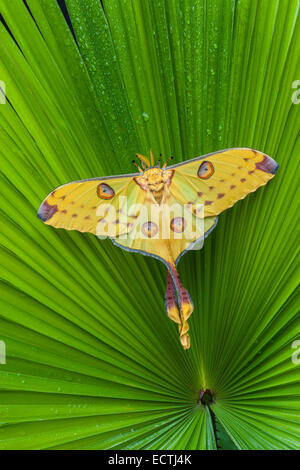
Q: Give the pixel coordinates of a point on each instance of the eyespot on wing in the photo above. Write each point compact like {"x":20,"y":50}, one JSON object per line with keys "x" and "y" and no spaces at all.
{"x":104,"y":191}
{"x":177,"y":224}
{"x":149,"y":229}
{"x":206,"y":170}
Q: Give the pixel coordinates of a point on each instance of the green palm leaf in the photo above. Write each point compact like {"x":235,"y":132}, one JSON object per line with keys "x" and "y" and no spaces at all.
{"x":92,"y":360}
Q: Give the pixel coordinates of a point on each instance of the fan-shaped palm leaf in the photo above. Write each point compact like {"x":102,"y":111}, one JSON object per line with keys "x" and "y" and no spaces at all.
{"x":92,"y":360}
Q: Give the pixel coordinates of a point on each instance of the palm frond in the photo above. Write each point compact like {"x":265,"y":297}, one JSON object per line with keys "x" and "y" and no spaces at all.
{"x":92,"y":360}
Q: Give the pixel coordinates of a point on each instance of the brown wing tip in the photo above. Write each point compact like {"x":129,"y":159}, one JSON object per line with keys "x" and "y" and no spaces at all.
{"x":267,"y":164}
{"x":46,"y":211}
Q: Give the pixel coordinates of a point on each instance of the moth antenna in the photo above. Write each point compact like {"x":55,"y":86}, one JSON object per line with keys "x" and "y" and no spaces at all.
{"x":158,"y":161}
{"x":168,"y":159}
{"x":151,"y":158}
{"x":144,"y":166}
{"x":143,"y":159}
{"x":135,"y":164}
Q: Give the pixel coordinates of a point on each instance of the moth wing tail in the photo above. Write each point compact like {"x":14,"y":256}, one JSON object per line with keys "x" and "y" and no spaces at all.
{"x":186,"y":306}
{"x":171,"y":301}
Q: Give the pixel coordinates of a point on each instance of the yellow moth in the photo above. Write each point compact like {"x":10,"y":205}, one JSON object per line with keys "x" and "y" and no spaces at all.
{"x":161,"y":211}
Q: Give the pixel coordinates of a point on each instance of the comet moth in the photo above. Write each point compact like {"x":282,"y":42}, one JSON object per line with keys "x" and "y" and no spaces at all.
{"x":161,"y":211}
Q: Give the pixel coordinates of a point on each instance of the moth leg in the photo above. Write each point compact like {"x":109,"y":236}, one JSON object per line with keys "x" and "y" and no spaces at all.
{"x":171,"y":300}
{"x":186,"y":306}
